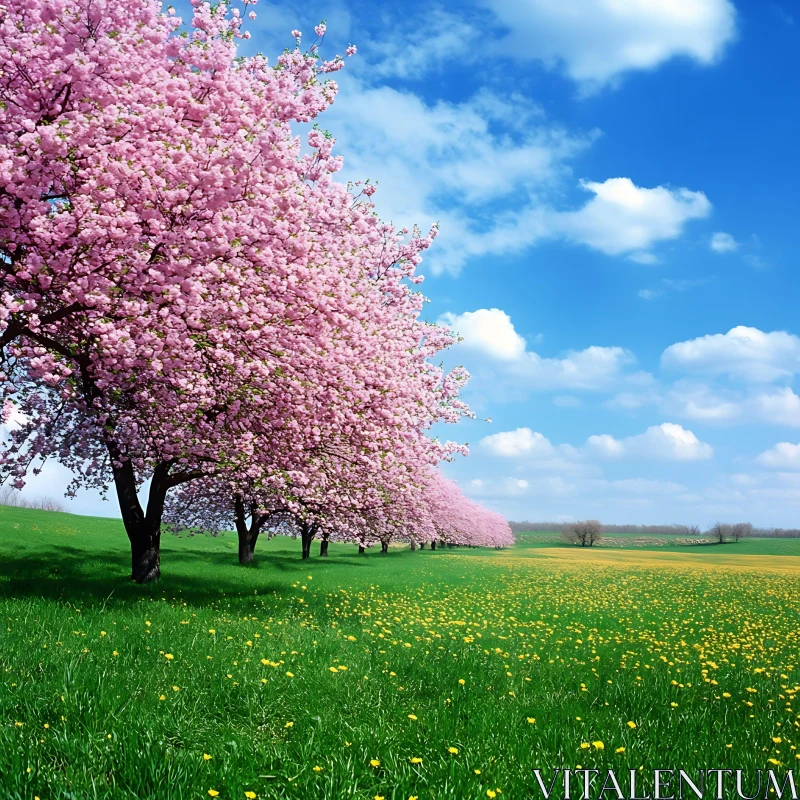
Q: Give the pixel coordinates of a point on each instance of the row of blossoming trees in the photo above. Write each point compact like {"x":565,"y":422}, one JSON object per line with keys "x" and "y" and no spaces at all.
{"x":191,"y":303}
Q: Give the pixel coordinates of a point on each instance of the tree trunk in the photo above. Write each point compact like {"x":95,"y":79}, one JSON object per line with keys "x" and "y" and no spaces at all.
{"x":145,"y":553}
{"x":413,"y":545}
{"x":248,"y":535}
{"x":307,"y":531}
{"x":433,"y":544}
{"x":361,"y":549}
{"x":384,"y":547}
{"x":323,"y":546}
{"x":422,"y":545}
{"x":143,"y":529}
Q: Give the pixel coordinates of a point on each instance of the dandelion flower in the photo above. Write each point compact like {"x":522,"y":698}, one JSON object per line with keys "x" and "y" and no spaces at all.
{"x":415,"y":760}
{"x":212,"y":792}
{"x":250,"y":795}
{"x":162,"y":697}
{"x":631,"y":725}
{"x":477,"y":771}
{"x":461,"y":681}
{"x":374,"y":762}
{"x":290,"y":675}
{"x":585,"y":745}
{"x":412,"y":717}
{"x":491,"y":793}
{"x":531,"y":720}
{"x":317,"y":769}
{"x":169,"y":656}
{"x":207,"y":757}
{"x":288,"y":725}
{"x":453,"y":751}
{"x":598,"y":745}
{"x":620,"y":750}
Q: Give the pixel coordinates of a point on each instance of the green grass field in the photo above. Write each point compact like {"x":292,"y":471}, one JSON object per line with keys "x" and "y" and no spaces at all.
{"x":447,"y":674}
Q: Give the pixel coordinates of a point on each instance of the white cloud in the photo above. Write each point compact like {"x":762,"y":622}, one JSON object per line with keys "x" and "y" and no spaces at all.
{"x":665,"y":442}
{"x":520,"y":442}
{"x":405,"y":54}
{"x":592,"y":368}
{"x":701,"y":402}
{"x":487,"y":169}
{"x":698,"y":401}
{"x":595,"y":41}
{"x":781,"y":407}
{"x":489,"y":331}
{"x":783,"y":455}
{"x":625,"y":219}
{"x":744,"y":353}
{"x":723,"y":243}
{"x":454,"y":163}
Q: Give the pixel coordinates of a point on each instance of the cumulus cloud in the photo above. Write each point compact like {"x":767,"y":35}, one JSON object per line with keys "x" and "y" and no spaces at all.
{"x":595,"y":41}
{"x":625,"y":219}
{"x":783,"y":455}
{"x":743,"y":353}
{"x":490,"y":332}
{"x":665,"y":442}
{"x":452,"y":161}
{"x":723,"y":243}
{"x":519,"y":442}
{"x":702,"y":402}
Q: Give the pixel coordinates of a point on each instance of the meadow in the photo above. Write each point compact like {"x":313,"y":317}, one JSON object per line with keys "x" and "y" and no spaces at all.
{"x":446,"y":674}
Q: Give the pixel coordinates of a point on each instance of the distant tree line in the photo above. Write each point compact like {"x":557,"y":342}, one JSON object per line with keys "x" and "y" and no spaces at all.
{"x":729,"y":530}
{"x":11,"y":497}
{"x":559,"y":527}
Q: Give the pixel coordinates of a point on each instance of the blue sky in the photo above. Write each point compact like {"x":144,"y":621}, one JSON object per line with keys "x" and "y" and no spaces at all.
{"x":616,"y":185}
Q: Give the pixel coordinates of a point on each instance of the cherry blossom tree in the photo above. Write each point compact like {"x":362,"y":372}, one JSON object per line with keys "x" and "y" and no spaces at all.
{"x":184,"y":295}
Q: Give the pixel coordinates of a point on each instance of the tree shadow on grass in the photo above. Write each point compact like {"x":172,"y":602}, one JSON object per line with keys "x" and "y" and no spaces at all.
{"x":66,"y":573}
{"x":71,"y":574}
